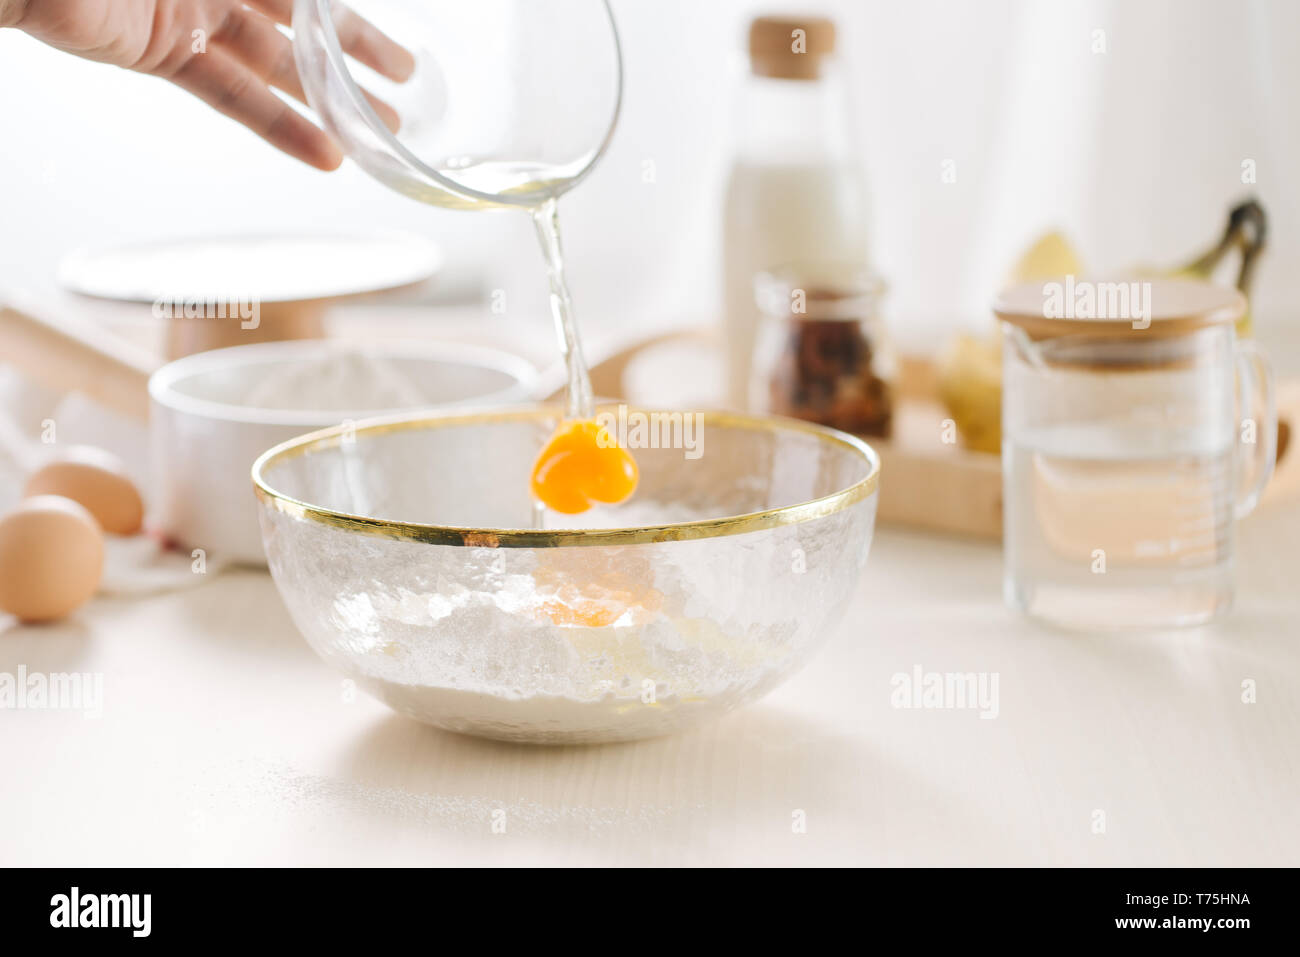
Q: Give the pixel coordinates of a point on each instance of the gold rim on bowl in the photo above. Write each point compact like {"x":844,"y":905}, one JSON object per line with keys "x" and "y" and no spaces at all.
{"x":550,"y":538}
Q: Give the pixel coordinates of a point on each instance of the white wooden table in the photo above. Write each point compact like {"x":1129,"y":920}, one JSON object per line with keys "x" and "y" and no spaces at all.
{"x":223,"y":740}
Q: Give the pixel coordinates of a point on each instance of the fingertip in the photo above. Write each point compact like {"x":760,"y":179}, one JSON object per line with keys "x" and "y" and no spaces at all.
{"x":323,"y":154}
{"x":330,"y":161}
{"x":403,"y":65}
{"x":389,"y":116}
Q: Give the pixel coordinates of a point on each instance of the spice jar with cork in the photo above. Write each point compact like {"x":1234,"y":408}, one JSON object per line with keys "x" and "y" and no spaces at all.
{"x":822,"y":352}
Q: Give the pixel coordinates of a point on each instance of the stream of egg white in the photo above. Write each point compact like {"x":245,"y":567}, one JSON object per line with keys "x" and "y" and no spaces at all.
{"x":578,"y":400}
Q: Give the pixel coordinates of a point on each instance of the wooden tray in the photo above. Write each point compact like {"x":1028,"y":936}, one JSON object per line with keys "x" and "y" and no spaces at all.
{"x":946,"y":488}
{"x":926,"y":482}
{"x":930,"y":484}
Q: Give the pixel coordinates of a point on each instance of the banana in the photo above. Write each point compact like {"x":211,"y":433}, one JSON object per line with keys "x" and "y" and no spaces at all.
{"x":1246,"y":231}
{"x":1052,"y":255}
{"x":970,"y":386}
{"x":970,"y":368}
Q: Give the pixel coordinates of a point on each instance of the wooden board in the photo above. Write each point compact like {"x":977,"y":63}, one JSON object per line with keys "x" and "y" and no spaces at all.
{"x":927,"y":481}
{"x":928,"y":484}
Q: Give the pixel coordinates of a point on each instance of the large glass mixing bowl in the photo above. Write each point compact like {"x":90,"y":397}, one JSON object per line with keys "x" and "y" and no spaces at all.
{"x":405,"y":552}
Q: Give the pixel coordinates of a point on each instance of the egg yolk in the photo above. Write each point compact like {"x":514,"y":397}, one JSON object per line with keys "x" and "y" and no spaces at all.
{"x":582,"y":465}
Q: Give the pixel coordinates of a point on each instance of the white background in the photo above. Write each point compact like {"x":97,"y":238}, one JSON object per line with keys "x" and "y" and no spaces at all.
{"x":1136,"y":153}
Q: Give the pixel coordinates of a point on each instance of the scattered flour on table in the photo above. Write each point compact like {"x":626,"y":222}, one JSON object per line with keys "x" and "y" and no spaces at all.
{"x":291,"y":790}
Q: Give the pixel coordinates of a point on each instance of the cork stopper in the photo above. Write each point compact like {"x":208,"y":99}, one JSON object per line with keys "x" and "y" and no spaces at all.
{"x":790,"y":48}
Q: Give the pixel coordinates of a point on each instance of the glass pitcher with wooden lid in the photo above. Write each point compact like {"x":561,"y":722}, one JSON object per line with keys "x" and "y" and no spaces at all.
{"x":1136,"y":431}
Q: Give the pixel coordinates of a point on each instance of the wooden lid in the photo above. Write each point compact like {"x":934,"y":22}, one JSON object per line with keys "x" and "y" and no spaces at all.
{"x":1121,"y":307}
{"x":790,"y":48}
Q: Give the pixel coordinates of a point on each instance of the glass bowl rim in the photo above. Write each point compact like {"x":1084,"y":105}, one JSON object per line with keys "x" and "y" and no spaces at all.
{"x":792,"y":514}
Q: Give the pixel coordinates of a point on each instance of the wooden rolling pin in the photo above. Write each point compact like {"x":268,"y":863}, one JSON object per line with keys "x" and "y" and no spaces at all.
{"x":73,"y":356}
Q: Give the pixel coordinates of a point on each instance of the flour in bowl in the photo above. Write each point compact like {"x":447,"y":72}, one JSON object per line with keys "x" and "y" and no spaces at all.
{"x":344,"y":381}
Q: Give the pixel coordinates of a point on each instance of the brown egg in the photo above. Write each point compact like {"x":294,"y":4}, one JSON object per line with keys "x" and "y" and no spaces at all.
{"x":51,"y":557}
{"x":98,"y":481}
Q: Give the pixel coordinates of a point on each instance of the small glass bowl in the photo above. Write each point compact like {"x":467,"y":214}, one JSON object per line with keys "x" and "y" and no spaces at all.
{"x":511,"y":102}
{"x":405,"y":551}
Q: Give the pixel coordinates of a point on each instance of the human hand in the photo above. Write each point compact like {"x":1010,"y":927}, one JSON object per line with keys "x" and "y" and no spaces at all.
{"x":228,"y":53}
